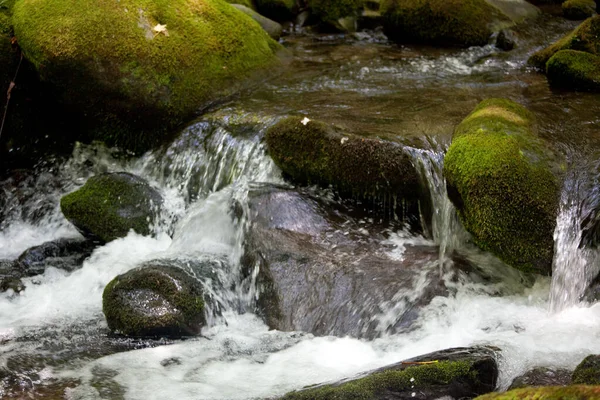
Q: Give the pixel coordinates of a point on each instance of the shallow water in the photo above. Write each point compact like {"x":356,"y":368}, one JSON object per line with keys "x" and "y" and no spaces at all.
{"x":413,"y":94}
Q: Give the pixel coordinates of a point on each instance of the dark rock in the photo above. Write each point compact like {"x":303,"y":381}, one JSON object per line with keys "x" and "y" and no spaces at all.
{"x":542,"y":376}
{"x":506,"y":40}
{"x":273,"y":28}
{"x":588,"y":371}
{"x":277,"y":10}
{"x":461,"y":373}
{"x":65,"y":254}
{"x":10,"y":277}
{"x":109,"y":205}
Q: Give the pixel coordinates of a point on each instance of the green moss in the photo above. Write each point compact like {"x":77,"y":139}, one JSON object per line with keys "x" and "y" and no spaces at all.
{"x":547,"y":393}
{"x":170,"y":284}
{"x":578,"y":9}
{"x":499,"y":178}
{"x":369,"y":387}
{"x":574,"y":70}
{"x":588,"y":371}
{"x":108,"y":63}
{"x":277,"y":10}
{"x":332,"y":10}
{"x":442,"y":22}
{"x":247,"y":3}
{"x":586,"y":37}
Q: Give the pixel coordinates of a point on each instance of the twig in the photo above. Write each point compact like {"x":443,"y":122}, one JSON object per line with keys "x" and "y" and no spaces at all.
{"x":8,"y":92}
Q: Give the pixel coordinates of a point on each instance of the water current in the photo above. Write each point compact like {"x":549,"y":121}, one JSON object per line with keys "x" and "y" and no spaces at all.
{"x":53,"y":336}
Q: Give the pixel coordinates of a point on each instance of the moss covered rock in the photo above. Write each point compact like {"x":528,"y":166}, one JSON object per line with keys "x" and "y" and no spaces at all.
{"x":459,"y":373}
{"x":109,"y":205}
{"x":578,"y":9}
{"x":499,"y":177}
{"x":134,"y":69}
{"x":542,"y":376}
{"x":449,"y":22}
{"x":547,"y":393}
{"x":314,"y":152}
{"x":574,"y":69}
{"x":155,"y":299}
{"x":334,"y":10}
{"x":588,"y":371}
{"x":586,"y":38}
{"x":277,"y":10}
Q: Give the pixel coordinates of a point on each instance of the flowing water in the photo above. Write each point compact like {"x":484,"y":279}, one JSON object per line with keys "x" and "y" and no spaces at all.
{"x":53,"y":337}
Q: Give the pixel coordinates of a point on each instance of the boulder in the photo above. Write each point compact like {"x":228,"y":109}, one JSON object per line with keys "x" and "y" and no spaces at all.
{"x":132,"y":70}
{"x":277,"y":10}
{"x":578,"y":9}
{"x":109,"y":205}
{"x":271,"y":27}
{"x":155,"y":299}
{"x":458,"y":373}
{"x":10,"y":277}
{"x":542,"y":376}
{"x":65,"y":254}
{"x":588,"y":371}
{"x":584,"y":38}
{"x":547,"y":393}
{"x":460,"y":23}
{"x":574,"y":70}
{"x":340,"y":13}
{"x":500,"y":178}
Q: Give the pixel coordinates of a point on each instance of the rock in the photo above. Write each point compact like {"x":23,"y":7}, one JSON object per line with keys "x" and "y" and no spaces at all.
{"x":499,"y":177}
{"x":464,"y":23}
{"x":588,"y":371}
{"x":10,"y":277}
{"x":340,"y":13}
{"x":131,"y":71}
{"x":356,"y":166}
{"x":574,"y":70}
{"x":271,"y":27}
{"x":277,"y":10}
{"x":578,"y":9}
{"x":324,"y":272}
{"x":547,"y":393}
{"x":246,"y":3}
{"x":506,"y":40}
{"x":155,"y":299}
{"x":459,"y":373}
{"x":65,"y":254}
{"x":542,"y":376}
{"x":109,"y":205}
{"x":584,"y":38}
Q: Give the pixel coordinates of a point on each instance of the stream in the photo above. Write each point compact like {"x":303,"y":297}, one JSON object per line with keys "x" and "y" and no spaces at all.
{"x":53,"y":335}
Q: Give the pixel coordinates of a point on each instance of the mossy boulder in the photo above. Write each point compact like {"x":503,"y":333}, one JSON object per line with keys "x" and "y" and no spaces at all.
{"x":586,"y":38}
{"x":578,"y":9}
{"x":155,"y":299}
{"x":277,"y":10}
{"x":575,"y":70}
{"x":132,"y":70}
{"x":332,"y":11}
{"x":547,"y":393}
{"x":458,"y":373}
{"x":109,"y":205}
{"x":460,"y":23}
{"x":588,"y":371}
{"x":499,"y":176}
{"x":314,"y":152}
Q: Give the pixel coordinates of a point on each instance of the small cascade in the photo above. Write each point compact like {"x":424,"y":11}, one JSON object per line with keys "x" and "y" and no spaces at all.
{"x":575,"y":265}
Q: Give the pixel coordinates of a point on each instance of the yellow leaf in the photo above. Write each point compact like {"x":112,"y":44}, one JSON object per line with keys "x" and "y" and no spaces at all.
{"x":160,"y":29}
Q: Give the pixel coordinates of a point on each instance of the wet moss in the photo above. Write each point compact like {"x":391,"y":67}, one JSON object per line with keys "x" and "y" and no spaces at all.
{"x":586,"y":38}
{"x":547,"y":393}
{"x":499,"y":176}
{"x":442,"y":22}
{"x":588,"y":371}
{"x":108,"y":62}
{"x":574,"y":70}
{"x":578,"y":9}
{"x":277,"y":10}
{"x":332,"y":10}
{"x":409,"y":379}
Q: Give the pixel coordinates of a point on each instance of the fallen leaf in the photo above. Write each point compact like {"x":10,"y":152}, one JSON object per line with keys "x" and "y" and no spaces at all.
{"x":305,"y":121}
{"x":160,"y":29}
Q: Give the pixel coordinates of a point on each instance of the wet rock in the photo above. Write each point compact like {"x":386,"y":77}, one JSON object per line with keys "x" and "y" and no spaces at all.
{"x":586,"y":38}
{"x":574,"y":70}
{"x":271,"y":27}
{"x":588,"y":371}
{"x":578,"y":9}
{"x":277,"y":10}
{"x":65,"y":254}
{"x":155,"y":299}
{"x":500,"y":178}
{"x":460,"y":373}
{"x":341,"y":14}
{"x":466,"y":23}
{"x":10,"y":277}
{"x":506,"y":40}
{"x":323,"y":272}
{"x":547,"y":393}
{"x":109,"y":205}
{"x":542,"y":376}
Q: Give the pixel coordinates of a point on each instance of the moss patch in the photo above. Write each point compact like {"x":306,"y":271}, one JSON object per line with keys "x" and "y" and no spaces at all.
{"x":578,"y":9}
{"x":109,"y":63}
{"x":588,"y":371}
{"x":574,"y":70}
{"x":547,"y":393}
{"x":332,"y":10}
{"x":442,"y":22}
{"x":586,"y":37}
{"x":499,"y":177}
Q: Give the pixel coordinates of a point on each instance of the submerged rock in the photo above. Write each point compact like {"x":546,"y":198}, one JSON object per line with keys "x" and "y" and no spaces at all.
{"x":499,"y":178}
{"x":575,"y":70}
{"x":578,"y":9}
{"x":133,"y":70}
{"x":459,"y":373}
{"x":155,"y":299}
{"x":547,"y":393}
{"x":109,"y":205}
{"x":463,"y":23}
{"x":588,"y":371}
{"x":542,"y":376}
